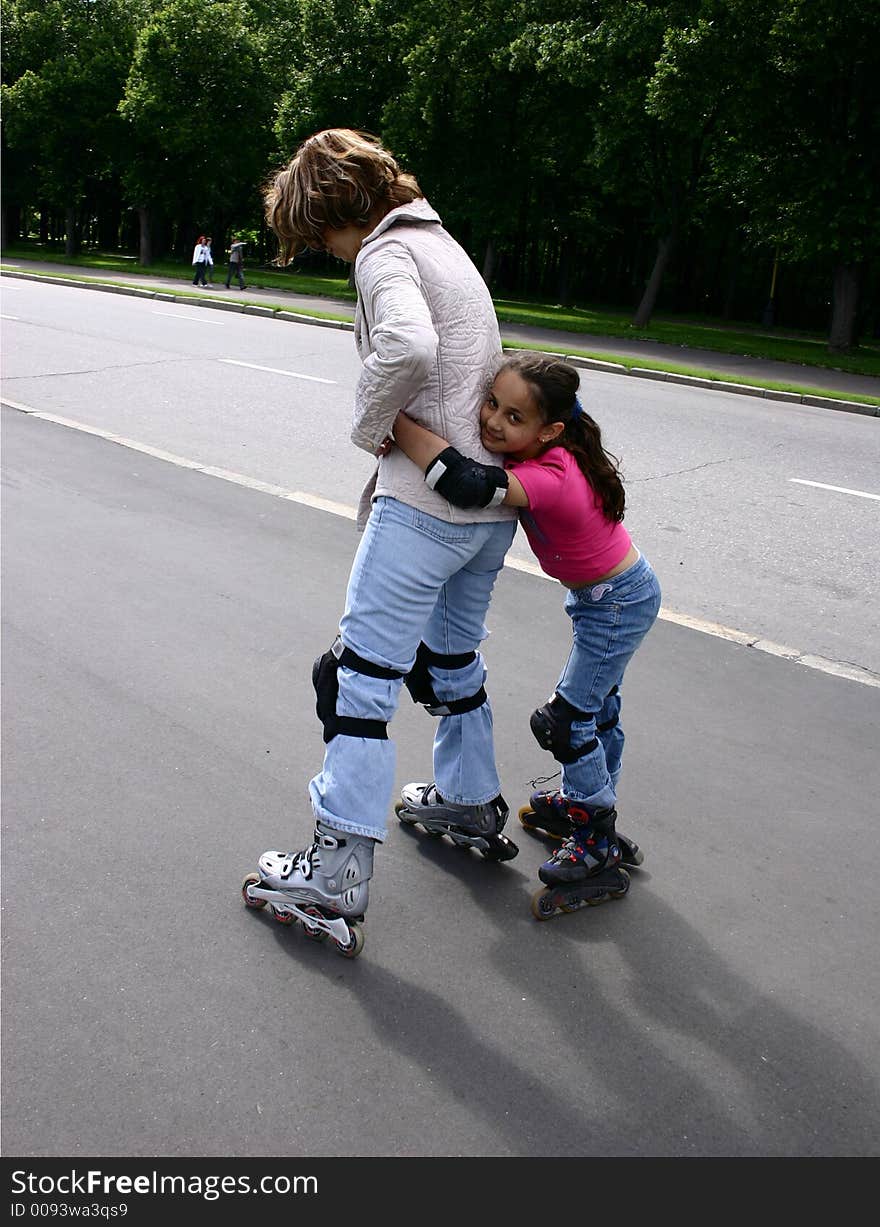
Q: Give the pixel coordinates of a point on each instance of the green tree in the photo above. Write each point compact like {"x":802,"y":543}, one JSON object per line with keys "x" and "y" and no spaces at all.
{"x":64,"y":68}
{"x":804,"y":157}
{"x":656,"y":111}
{"x":341,"y":73}
{"x":198,"y":111}
{"x":495,"y":142}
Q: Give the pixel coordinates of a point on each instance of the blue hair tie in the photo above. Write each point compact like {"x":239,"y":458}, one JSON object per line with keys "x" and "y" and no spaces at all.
{"x":578,"y":409}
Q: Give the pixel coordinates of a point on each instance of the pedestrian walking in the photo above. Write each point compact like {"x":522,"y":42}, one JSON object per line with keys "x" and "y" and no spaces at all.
{"x":200,"y":261}
{"x":236,"y":262}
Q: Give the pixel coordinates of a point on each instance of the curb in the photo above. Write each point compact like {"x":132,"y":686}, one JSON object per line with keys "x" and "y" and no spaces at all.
{"x":714,"y":385}
{"x":592,"y":364}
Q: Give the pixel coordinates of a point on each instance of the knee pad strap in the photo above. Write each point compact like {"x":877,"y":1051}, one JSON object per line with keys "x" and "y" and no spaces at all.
{"x":418,"y":682}
{"x":325,"y":679}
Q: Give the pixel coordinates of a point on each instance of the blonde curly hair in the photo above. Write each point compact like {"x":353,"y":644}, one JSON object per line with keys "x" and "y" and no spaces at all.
{"x":338,"y":177}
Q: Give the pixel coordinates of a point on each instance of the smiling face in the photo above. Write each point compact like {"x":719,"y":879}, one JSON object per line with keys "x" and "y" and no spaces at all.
{"x":511,"y":424}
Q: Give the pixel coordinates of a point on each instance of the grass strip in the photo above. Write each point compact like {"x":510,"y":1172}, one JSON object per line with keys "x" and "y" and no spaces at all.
{"x":576,"y":321}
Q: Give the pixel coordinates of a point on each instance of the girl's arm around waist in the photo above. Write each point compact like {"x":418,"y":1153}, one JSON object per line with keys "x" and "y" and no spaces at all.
{"x":424,"y":447}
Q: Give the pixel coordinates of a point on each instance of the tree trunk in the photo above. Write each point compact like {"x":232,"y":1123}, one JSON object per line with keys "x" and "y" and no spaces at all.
{"x":563,"y":278}
{"x":845,"y":303}
{"x":145,"y":253}
{"x":489,"y":262}
{"x":642,"y":317}
{"x":71,"y":244}
{"x":109,"y":222}
{"x":10,"y":225}
{"x":730,"y":291}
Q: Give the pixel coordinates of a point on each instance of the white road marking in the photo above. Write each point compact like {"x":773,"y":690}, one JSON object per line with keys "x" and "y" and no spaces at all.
{"x":8,"y":317}
{"x":274,"y":371}
{"x":193,"y":319}
{"x":851,"y":673}
{"x":820,"y":485}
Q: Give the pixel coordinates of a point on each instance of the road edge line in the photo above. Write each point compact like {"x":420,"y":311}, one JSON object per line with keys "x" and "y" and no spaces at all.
{"x":848,"y":672}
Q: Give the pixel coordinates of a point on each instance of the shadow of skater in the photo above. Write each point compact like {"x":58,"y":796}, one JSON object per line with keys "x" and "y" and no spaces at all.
{"x":616,"y":1031}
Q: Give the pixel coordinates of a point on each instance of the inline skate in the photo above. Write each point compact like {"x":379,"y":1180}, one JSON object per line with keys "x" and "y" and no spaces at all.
{"x":325,"y":887}
{"x":468,"y":826}
{"x":585,"y":871}
{"x":557,"y":816}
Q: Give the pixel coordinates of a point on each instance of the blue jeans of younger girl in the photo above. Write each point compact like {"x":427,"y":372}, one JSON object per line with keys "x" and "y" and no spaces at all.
{"x":414,"y":578}
{"x":609,"y":621}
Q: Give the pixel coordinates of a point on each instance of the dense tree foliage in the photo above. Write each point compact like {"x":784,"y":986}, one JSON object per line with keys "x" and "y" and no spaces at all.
{"x":65,"y":62}
{"x":197,"y":108}
{"x":635,"y":153}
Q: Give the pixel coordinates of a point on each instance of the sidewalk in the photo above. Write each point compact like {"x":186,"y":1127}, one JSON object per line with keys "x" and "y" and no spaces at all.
{"x":829,"y":386}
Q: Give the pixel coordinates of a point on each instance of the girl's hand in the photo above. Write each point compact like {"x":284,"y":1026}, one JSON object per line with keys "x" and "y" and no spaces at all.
{"x":385,"y":446}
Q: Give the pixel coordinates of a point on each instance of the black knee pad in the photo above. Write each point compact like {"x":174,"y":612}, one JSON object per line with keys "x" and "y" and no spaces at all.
{"x":418,"y":682}
{"x":325,"y":679}
{"x":607,"y":725}
{"x":551,"y":725}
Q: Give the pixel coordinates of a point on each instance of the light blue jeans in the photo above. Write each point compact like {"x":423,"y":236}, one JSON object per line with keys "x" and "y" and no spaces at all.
{"x":414,"y":578}
{"x":609,"y":621}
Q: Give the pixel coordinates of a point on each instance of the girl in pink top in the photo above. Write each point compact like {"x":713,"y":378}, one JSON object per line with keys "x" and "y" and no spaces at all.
{"x":571,"y":501}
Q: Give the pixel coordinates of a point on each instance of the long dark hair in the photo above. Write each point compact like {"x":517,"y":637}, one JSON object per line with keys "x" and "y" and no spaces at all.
{"x":555,"y":385}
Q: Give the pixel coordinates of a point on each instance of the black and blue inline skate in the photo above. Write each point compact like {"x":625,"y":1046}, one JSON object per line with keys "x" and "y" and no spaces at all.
{"x":555,"y":815}
{"x":585,"y":871}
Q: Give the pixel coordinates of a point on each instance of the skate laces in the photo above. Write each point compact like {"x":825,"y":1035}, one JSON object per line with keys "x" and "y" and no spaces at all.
{"x":543,"y":779}
{"x":303,"y":862}
{"x":583,"y":843}
{"x":310,"y":858}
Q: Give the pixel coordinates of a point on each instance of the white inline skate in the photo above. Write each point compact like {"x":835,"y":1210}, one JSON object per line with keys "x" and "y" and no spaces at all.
{"x":468,"y":826}
{"x":325,"y":887}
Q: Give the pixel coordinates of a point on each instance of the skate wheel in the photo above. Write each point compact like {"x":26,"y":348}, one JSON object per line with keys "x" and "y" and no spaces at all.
{"x":542,"y":905}
{"x":404,"y":815}
{"x":352,"y":948}
{"x":623,"y":887}
{"x":526,"y":812}
{"x":252,"y":879}
{"x":283,"y":917}
{"x":313,"y":932}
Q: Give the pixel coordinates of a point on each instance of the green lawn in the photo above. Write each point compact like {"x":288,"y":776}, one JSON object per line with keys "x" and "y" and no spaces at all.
{"x":804,"y":349}
{"x":258,"y":275}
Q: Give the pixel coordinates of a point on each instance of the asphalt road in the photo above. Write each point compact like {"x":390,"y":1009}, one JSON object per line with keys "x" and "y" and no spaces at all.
{"x":159,"y":625}
{"x":733,"y":367}
{"x":714,"y":480}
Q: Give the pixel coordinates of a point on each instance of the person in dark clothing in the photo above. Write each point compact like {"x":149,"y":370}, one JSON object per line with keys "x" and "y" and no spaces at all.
{"x":236,"y":262}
